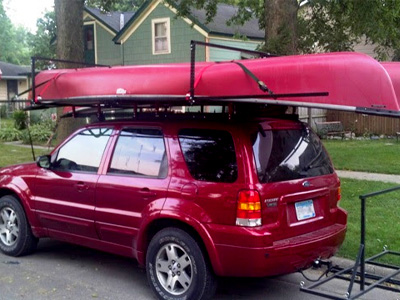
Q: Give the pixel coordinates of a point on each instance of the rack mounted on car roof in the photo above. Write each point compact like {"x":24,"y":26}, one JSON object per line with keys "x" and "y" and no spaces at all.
{"x":341,"y":81}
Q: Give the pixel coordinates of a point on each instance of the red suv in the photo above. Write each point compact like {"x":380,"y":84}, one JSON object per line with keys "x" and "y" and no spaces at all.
{"x":188,"y":199}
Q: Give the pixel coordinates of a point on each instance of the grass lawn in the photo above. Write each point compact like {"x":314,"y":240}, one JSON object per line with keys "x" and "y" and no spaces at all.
{"x":10,"y":154}
{"x":382,"y":217}
{"x":377,"y":156}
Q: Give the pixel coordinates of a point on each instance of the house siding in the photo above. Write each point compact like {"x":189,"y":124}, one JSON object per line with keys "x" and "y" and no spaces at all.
{"x":3,"y":90}
{"x":217,"y":54}
{"x":138,"y":48}
{"x":108,"y":53}
{"x":23,"y":86}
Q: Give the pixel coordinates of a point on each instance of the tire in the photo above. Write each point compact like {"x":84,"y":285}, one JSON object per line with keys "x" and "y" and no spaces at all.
{"x":16,"y":238}
{"x":176,"y":267}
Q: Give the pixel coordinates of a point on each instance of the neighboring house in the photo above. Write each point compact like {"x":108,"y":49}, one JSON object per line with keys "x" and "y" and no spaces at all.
{"x":14,"y":80}
{"x":154,"y":34}
{"x":99,"y":31}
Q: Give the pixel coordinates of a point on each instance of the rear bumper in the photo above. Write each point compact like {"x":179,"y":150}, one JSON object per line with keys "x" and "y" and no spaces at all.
{"x":254,"y":255}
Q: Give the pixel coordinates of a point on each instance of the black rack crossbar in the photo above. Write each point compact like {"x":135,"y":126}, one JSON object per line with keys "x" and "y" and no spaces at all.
{"x":357,"y":273}
{"x":193,"y":59}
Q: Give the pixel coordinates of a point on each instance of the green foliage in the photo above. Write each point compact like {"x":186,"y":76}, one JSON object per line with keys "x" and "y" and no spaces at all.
{"x":10,"y":134}
{"x":13,"y":47}
{"x":20,"y":117}
{"x":337,"y":25}
{"x":322,"y":26}
{"x":3,"y":111}
{"x":40,"y":133}
{"x":113,"y":5}
{"x":42,"y":43}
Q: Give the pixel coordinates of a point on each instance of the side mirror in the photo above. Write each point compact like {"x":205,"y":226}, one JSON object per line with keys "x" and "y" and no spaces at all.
{"x":44,"y":161}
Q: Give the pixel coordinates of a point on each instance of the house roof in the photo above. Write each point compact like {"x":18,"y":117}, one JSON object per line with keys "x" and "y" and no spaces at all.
{"x":218,"y":26}
{"x":110,"y":19}
{"x":11,"y":71}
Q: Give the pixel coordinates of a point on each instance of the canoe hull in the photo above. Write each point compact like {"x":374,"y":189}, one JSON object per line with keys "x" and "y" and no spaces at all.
{"x":350,"y":80}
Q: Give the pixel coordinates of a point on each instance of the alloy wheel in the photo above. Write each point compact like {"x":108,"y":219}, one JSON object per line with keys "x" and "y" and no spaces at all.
{"x":9,"y":226}
{"x":174,"y":269}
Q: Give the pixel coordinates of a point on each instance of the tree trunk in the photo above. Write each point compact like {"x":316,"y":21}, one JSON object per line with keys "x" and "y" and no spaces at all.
{"x":69,"y":20}
{"x":281,"y":26}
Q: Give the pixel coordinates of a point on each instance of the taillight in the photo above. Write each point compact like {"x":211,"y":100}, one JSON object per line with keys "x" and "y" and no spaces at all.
{"x":248,"y":209}
{"x":339,"y":193}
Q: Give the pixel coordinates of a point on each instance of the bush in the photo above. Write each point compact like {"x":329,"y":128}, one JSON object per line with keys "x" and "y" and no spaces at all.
{"x":40,"y":133}
{"x":10,"y":134}
{"x":3,"y":111}
{"x":20,"y":117}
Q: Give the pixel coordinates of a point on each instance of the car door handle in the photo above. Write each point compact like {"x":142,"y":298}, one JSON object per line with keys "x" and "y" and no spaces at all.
{"x":146,"y":192}
{"x":81,"y":186}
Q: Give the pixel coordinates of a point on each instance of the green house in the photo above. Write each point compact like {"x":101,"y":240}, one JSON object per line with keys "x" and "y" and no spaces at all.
{"x":155,"y":34}
{"x":99,"y":32}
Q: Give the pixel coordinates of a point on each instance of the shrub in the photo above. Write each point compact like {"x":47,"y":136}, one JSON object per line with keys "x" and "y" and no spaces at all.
{"x":40,"y":133}
{"x":20,"y":118}
{"x":10,"y":134}
{"x":3,"y":111}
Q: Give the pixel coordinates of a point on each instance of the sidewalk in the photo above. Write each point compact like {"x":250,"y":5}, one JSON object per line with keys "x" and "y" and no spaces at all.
{"x":20,"y":144}
{"x":369,"y":176}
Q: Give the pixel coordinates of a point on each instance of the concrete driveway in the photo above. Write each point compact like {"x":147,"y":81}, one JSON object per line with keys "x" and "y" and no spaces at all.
{"x":63,"y":271}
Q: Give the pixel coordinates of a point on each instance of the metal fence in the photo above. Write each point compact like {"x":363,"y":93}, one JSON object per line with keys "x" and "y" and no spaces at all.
{"x":7,"y":107}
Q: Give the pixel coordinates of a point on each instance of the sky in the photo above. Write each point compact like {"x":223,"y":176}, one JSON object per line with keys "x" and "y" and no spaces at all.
{"x":26,"y":12}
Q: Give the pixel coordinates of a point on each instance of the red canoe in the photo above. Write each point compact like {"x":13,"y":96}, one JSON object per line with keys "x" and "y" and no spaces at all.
{"x":350,"y":81}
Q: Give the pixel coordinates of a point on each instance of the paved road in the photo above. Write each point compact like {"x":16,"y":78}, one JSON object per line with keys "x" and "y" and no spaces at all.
{"x":63,"y":271}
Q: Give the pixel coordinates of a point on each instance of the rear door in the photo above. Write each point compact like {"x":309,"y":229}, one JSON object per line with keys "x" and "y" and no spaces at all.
{"x":134,"y":185}
{"x":296,"y":179}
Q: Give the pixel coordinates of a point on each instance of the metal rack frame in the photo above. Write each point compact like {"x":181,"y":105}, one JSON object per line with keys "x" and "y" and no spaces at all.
{"x":357,"y":272}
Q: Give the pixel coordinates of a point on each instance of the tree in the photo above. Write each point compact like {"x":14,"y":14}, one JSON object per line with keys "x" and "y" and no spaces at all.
{"x":337,"y":25}
{"x":13,"y":48}
{"x":113,"y":5}
{"x":69,"y":22}
{"x":314,"y":25}
{"x":43,"y":42}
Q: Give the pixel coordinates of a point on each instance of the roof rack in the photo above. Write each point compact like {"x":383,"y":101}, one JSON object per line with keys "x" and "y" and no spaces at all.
{"x":340,"y":81}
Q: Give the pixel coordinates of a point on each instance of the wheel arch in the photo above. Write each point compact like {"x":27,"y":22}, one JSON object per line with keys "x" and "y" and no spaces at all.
{"x":195,"y":230}
{"x":33,"y":222}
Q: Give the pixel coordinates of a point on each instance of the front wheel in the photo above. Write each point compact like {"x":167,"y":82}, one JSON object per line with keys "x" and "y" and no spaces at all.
{"x":176,"y":267}
{"x":16,"y":238}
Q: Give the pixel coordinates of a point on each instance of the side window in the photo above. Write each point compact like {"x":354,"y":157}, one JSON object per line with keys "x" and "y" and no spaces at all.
{"x":84,"y":151}
{"x":209,"y":154}
{"x":140,"y":152}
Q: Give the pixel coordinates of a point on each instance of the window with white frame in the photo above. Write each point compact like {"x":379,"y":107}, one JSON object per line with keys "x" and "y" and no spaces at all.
{"x":161,"y":36}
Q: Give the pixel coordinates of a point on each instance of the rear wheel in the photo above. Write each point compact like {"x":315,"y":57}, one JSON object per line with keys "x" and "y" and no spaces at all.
{"x":176,"y":267}
{"x":16,"y":238}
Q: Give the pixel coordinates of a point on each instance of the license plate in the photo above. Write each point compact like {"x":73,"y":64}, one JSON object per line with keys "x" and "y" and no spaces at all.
{"x":304,"y":210}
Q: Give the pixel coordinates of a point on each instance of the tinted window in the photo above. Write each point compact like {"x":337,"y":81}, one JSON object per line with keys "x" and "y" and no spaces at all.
{"x":209,"y":154}
{"x":140,"y":152}
{"x":84,"y":151}
{"x":289,"y":154}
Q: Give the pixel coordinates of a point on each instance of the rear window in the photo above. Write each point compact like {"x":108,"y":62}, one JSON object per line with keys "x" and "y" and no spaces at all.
{"x":289,"y":154}
{"x":209,"y":154}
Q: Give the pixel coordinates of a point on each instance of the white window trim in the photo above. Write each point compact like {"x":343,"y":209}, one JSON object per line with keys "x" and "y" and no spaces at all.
{"x":153,"y":22}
